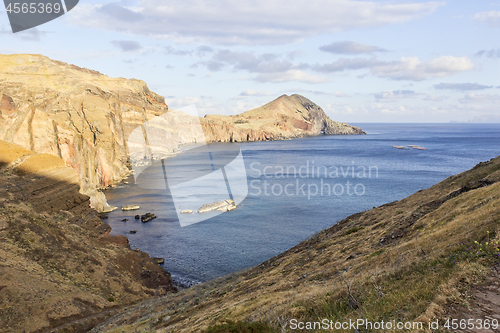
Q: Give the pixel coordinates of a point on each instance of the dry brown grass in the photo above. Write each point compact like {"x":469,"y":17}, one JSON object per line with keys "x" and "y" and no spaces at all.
{"x":404,"y":261}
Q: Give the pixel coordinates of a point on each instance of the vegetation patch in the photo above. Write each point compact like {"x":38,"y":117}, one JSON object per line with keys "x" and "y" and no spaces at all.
{"x":241,"y":327}
{"x":353,"y":230}
{"x":376,"y":253}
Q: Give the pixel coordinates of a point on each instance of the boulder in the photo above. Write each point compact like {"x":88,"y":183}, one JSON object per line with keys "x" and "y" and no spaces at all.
{"x":131,"y":207}
{"x":147,"y":217}
{"x":224,"y":206}
{"x":159,"y":261}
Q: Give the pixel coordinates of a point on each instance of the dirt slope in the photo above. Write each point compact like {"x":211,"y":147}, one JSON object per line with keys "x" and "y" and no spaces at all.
{"x":58,"y":261}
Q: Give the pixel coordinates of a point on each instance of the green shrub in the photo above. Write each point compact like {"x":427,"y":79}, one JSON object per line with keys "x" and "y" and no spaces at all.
{"x":376,"y":253}
{"x":241,"y":327}
{"x":353,"y":230}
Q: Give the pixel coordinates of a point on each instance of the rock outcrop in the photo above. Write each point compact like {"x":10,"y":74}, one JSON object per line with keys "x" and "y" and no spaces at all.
{"x":97,"y":124}
{"x":79,"y":115}
{"x":58,"y":260}
{"x":224,"y":206}
{"x":286,"y":117}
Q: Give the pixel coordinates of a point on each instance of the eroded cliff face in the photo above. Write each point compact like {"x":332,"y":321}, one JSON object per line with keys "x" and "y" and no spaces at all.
{"x":96,"y":124}
{"x":77,"y":114}
{"x":58,"y":261}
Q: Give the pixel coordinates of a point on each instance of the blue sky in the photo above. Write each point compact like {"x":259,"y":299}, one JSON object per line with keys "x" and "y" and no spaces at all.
{"x":361,"y":61}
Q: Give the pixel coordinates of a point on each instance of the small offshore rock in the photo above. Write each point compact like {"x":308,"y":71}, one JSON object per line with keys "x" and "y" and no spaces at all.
{"x":131,"y":207}
{"x":158,"y":261}
{"x":227,"y":208}
{"x":147,"y":217}
{"x":223,"y":206}
{"x":109,"y":209}
{"x":187,"y":211}
{"x":133,"y":231}
{"x":124,"y":220}
{"x":137,"y":217}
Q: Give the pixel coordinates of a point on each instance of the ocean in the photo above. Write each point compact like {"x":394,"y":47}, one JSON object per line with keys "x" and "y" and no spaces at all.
{"x":298,"y":187}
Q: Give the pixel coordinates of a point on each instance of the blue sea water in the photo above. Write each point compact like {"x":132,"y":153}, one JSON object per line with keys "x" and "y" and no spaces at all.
{"x":299,"y":187}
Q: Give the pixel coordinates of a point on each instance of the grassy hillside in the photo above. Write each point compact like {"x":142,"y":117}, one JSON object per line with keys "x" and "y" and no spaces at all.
{"x":410,"y":260}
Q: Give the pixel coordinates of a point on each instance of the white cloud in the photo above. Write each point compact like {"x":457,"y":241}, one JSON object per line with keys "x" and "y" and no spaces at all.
{"x":340,"y":109}
{"x":314,"y":92}
{"x":245,"y":21}
{"x":348,"y":47}
{"x":269,"y":67}
{"x":433,"y":98}
{"x":127,"y":45}
{"x":343,"y":64}
{"x":476,"y":98}
{"x":290,"y":75}
{"x":491,"y":53}
{"x":408,"y":68}
{"x":274,"y":68}
{"x":264,"y":63}
{"x":413,"y":69}
{"x":204,"y":104}
{"x":179,"y":102}
{"x":461,"y":86}
{"x":250,"y":92}
{"x":33,"y":34}
{"x":491,"y":18}
{"x":399,"y":110}
{"x":393,"y":95}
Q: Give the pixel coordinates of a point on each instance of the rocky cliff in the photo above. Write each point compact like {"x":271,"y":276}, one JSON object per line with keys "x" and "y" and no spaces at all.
{"x":77,"y":114}
{"x":87,"y":119}
{"x":58,"y":262}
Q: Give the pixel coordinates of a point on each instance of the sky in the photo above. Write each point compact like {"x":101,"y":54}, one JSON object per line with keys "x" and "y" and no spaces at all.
{"x":361,"y":61}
